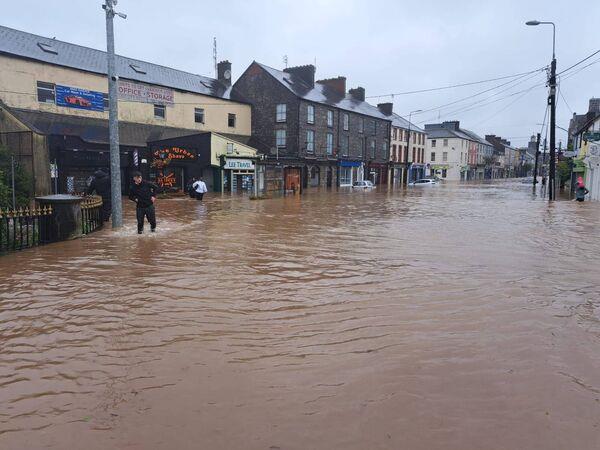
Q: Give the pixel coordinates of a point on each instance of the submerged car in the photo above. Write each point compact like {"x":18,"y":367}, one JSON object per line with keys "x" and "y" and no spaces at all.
{"x":365,"y":184}
{"x":424,"y":182}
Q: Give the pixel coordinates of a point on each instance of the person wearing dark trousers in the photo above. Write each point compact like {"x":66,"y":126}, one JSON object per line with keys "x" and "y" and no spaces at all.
{"x":101,"y":186}
{"x":143,"y":193}
{"x":200,"y":187}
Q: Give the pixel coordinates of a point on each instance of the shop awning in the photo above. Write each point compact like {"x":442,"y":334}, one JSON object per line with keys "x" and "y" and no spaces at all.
{"x":350,"y":163}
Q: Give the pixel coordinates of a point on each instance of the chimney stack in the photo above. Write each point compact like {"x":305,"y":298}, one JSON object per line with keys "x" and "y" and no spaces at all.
{"x":305,"y":73}
{"x":386,"y":108}
{"x":224,"y":72}
{"x":358,"y":93}
{"x":337,"y":84}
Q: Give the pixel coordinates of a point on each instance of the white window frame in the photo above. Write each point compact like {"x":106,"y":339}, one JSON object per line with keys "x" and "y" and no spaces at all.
{"x":310,"y":114}
{"x":310,"y":141}
{"x":47,"y":88}
{"x":281,"y":113}
{"x":201,"y":112}
{"x":330,"y":118}
{"x":346,"y":119}
{"x":329,"y":144}
{"x":158,"y":107}
{"x":280,"y":138}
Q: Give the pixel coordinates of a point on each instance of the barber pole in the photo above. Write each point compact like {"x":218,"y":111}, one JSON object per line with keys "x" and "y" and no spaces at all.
{"x":136,"y":158}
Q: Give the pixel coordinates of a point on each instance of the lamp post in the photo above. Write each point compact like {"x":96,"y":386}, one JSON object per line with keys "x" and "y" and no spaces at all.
{"x":408,"y":147}
{"x":552,"y":103}
{"x":113,"y":115}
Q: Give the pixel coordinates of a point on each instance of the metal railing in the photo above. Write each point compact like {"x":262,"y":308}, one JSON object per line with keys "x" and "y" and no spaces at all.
{"x":91,"y":214}
{"x":24,"y":228}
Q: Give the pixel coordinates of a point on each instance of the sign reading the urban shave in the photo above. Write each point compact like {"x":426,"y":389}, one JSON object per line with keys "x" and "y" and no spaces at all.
{"x":72,"y":97}
{"x":136,"y":92}
{"x":239,"y":164}
{"x":173,"y":153}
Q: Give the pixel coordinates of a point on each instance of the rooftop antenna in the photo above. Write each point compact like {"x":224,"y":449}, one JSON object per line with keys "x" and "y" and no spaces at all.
{"x":285,"y":60}
{"x":215,"y":55}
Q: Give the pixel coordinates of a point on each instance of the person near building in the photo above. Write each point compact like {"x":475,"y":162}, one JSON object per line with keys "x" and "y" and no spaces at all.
{"x":190,"y":188}
{"x":100,"y":184}
{"x":143,"y":193}
{"x":200,"y":188}
{"x":581,"y":192}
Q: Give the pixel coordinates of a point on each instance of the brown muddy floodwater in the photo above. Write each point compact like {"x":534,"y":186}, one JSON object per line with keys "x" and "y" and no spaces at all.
{"x":446,"y":317}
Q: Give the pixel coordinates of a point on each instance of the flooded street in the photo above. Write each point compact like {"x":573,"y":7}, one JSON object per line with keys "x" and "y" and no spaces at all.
{"x":444,"y":317}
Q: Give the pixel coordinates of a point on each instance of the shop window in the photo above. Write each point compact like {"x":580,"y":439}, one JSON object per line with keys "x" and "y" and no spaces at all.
{"x":281,"y":112}
{"x":231,"y":120}
{"x":46,"y":92}
{"x":280,"y":138}
{"x":199,"y":115}
{"x":310,"y":114}
{"x":330,"y":144}
{"x":160,"y":111}
{"x":330,"y":119}
{"x":310,"y":141}
{"x":346,"y":175}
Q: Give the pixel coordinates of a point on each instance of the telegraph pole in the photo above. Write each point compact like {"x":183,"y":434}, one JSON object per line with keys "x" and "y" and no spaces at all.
{"x":537,"y":154}
{"x":552,"y":103}
{"x":113,"y":115}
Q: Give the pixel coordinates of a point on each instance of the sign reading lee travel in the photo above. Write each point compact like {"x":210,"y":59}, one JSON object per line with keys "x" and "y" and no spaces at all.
{"x":239,"y":164}
{"x":72,"y":97}
{"x":136,"y":92}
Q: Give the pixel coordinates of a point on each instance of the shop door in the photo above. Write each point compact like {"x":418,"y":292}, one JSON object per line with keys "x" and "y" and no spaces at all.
{"x":292,"y":179}
{"x":329,"y":177}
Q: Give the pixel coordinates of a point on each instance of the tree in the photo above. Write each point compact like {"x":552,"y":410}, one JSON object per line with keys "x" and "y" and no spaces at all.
{"x":563,"y":171}
{"x":23,"y":188}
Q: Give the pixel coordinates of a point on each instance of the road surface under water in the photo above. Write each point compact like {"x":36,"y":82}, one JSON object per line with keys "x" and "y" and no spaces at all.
{"x":445,"y":317}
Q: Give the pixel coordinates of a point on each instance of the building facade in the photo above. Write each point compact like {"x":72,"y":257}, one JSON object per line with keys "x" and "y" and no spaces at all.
{"x":54,"y":117}
{"x":313,"y":133}
{"x":405,"y":155}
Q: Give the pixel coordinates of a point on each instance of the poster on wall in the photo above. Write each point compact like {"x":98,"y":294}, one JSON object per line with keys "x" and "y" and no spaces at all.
{"x":136,"y":92}
{"x":71,"y":97}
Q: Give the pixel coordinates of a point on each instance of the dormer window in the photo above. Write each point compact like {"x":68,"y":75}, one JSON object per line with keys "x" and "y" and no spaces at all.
{"x":137,"y":69}
{"x":48,"y":48}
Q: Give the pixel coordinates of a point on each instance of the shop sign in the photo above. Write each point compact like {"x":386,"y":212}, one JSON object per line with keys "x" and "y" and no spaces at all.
{"x":136,"y":92}
{"x":176,"y":153}
{"x":239,"y":164}
{"x":592,"y":136}
{"x":72,"y":97}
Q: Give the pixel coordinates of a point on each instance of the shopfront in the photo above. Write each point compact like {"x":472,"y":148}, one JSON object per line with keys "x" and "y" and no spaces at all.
{"x":350,"y":171}
{"x":239,"y":175}
{"x":416,"y":172}
{"x":172,"y":167}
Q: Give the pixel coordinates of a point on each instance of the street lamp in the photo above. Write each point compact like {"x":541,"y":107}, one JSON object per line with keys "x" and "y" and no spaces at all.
{"x":113,"y":115}
{"x":552,"y":103}
{"x":408,"y":146}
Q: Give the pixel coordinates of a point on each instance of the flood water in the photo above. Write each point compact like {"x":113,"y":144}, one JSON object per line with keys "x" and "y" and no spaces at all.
{"x":444,"y":317}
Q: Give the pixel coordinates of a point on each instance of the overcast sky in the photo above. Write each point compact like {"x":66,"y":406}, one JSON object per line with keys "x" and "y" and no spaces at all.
{"x":384,"y":46}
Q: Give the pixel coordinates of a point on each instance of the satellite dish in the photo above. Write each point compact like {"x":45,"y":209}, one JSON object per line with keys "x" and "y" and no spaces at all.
{"x":227,"y":74}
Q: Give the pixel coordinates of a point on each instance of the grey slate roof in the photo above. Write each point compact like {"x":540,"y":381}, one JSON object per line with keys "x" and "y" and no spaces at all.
{"x":321,"y":93}
{"x":461,"y":133}
{"x":401,"y":122}
{"x":25,"y":45}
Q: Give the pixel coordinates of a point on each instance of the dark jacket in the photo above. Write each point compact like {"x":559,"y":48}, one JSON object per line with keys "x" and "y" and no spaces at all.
{"x":581,"y":192}
{"x":101,"y":185}
{"x":142,"y":193}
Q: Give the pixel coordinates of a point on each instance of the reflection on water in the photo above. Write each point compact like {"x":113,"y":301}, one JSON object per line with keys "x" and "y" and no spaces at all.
{"x":444,"y":317}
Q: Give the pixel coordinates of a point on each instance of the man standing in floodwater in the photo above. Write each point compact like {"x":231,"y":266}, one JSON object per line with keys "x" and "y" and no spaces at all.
{"x":143,"y":193}
{"x":200,"y":187}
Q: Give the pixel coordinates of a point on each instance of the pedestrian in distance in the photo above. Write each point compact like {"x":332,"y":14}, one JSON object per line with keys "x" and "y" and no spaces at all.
{"x":200,"y":188}
{"x":581,"y":192}
{"x":190,"y":188}
{"x":100,"y":184}
{"x":143,"y":193}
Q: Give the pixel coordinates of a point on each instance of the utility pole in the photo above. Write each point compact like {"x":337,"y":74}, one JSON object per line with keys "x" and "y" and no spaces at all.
{"x":537,"y":154}
{"x":113,"y":115}
{"x":552,"y":103}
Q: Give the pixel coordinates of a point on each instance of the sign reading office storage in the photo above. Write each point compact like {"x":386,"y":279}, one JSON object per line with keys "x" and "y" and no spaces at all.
{"x":239,"y":164}
{"x":136,"y":92}
{"x":72,"y":97}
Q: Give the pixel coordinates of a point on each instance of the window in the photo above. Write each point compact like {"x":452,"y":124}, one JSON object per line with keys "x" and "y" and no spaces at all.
{"x":413,"y":155}
{"x":230,"y":148}
{"x":330,"y":119}
{"x":394,"y":155}
{"x":395,"y":134}
{"x":281,"y":113}
{"x":373,"y":146}
{"x":231,"y":120}
{"x":373,"y":127}
{"x":422,"y":155}
{"x":310,"y":114}
{"x":445,"y":142}
{"x":45,"y":92}
{"x":432,"y":156}
{"x":346,"y":175}
{"x":280,"y":138}
{"x":361,"y":125}
{"x":310,"y":141}
{"x":330,"y":143}
{"x":160,"y":111}
{"x":105,"y":102}
{"x":345,"y":145}
{"x":346,"y":122}
{"x":199,"y":115}
{"x":433,"y":142}
{"x":445,"y":156}
{"x":444,"y":172}
{"x":461,"y":156}
{"x":414,"y":138}
{"x":384,"y":149}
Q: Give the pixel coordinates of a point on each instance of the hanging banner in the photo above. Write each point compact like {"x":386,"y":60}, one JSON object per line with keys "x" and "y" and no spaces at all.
{"x":136,"y":92}
{"x":71,"y":97}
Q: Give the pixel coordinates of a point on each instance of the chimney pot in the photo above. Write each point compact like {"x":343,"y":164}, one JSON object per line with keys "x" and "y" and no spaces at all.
{"x":224,"y":72}
{"x":305,"y":73}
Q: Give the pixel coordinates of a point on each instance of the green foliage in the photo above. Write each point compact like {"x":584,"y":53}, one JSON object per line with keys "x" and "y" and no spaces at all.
{"x":563,"y":170}
{"x":23,"y":185}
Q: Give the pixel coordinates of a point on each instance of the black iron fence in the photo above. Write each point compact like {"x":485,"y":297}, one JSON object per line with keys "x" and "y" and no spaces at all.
{"x":24,"y":227}
{"x":29,"y":227}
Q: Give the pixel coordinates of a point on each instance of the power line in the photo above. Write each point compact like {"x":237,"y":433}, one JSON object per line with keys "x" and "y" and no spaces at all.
{"x":579,"y":62}
{"x":457,"y":85}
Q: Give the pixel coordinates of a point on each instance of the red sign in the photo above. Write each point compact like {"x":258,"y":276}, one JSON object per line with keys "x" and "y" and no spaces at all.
{"x":173,"y":153}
